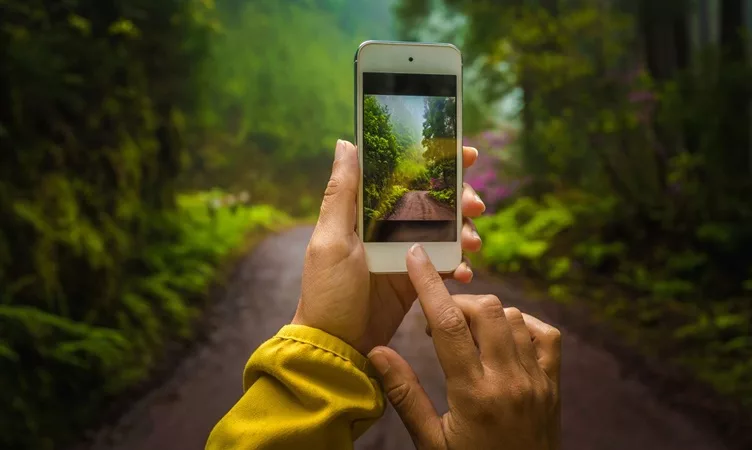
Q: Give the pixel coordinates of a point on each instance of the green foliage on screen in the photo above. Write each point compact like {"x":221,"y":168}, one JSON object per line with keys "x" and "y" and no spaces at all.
{"x":380,"y":150}
{"x":440,"y":140}
{"x":398,"y":158}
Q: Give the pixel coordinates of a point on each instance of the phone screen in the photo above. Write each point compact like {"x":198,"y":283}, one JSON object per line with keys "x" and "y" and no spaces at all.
{"x":409,"y":157}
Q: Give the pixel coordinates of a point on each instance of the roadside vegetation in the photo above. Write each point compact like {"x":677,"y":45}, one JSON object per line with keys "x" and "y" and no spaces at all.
{"x":144,"y":146}
{"x":623,"y":180}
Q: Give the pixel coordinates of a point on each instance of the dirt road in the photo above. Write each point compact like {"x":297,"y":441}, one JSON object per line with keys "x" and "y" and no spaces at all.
{"x":603,"y":409}
{"x":418,"y":205}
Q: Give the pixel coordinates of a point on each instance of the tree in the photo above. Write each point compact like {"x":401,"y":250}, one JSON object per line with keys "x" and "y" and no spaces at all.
{"x":440,"y":139}
{"x":645,"y":137}
{"x":99,"y":98}
{"x":278,"y":99}
{"x":380,"y":152}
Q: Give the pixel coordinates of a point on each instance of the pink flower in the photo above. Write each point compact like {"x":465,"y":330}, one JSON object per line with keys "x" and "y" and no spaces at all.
{"x":487,"y":175}
{"x":437,"y":184}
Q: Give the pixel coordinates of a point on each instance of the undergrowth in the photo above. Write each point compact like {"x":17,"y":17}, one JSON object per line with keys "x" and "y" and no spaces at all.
{"x":57,"y":372}
{"x":668,"y":300}
{"x":388,"y":201}
{"x":445,"y":196}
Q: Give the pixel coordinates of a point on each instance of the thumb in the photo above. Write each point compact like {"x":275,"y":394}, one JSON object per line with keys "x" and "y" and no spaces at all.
{"x":408,"y":398}
{"x":341,"y":195}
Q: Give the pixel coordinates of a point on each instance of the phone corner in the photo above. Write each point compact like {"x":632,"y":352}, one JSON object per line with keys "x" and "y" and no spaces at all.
{"x":458,"y":51}
{"x":360,"y":48}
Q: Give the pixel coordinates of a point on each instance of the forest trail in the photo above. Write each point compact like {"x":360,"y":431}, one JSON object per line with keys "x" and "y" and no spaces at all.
{"x":602,"y":408}
{"x":418,"y":205}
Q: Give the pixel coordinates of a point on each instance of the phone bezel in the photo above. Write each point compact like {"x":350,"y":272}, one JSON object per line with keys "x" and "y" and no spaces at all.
{"x":427,"y":58}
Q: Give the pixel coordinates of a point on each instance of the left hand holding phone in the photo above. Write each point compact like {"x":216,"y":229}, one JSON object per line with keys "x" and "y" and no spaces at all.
{"x":339,"y":295}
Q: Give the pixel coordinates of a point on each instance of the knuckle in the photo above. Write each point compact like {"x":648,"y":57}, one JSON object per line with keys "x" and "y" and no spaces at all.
{"x":342,"y":179}
{"x":451,"y":321}
{"x":554,"y":334}
{"x":315,"y":249}
{"x":521,"y":392}
{"x":428,"y":279}
{"x":541,"y":393}
{"x":323,"y":248}
{"x":491,"y":306}
{"x":399,"y":395}
{"x":432,"y":284}
{"x":333,"y":186}
{"x":513,"y":314}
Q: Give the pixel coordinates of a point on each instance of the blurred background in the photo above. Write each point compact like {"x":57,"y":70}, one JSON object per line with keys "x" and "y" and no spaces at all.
{"x":148,"y":151}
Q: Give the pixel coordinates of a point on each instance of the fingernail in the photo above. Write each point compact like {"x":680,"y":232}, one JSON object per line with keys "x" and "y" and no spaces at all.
{"x":470,"y":271}
{"x":339,"y":151}
{"x":479,"y":200}
{"x":379,"y":362}
{"x":476,"y":236}
{"x":476,"y":151}
{"x":465,"y":267}
{"x":419,"y":252}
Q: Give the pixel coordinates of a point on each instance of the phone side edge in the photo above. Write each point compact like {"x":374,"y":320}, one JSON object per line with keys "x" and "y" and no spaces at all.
{"x":356,"y":135}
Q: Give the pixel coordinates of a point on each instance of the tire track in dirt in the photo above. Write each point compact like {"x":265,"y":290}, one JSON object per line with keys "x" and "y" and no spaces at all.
{"x":419,"y":205}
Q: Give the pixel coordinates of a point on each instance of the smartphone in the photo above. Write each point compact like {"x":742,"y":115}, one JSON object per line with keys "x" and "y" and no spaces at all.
{"x":408,"y":108}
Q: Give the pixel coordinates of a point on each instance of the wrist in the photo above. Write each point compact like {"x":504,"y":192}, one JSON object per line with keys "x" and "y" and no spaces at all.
{"x":337,"y":332}
{"x":300,"y":320}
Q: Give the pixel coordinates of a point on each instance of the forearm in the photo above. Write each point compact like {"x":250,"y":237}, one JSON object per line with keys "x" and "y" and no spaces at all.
{"x":303,"y":389}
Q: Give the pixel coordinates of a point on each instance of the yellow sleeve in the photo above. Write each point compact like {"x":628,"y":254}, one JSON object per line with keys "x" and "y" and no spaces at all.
{"x":304,"y":389}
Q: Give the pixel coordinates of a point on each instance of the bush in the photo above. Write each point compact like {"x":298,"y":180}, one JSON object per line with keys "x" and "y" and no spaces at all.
{"x":412,"y":174}
{"x":521,"y":234}
{"x":663,"y":297}
{"x":649,"y":159}
{"x":50,"y":361}
{"x":446,"y":196}
{"x":388,"y":201}
{"x":95,"y":262}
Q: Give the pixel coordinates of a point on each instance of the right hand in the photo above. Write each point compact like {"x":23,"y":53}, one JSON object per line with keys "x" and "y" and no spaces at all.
{"x":502,"y":392}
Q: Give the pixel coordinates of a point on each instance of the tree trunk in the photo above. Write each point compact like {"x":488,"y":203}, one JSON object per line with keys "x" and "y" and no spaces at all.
{"x":736,"y":93}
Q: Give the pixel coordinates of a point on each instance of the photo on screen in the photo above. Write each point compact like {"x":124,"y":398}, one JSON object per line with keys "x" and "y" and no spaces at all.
{"x":409,"y":168}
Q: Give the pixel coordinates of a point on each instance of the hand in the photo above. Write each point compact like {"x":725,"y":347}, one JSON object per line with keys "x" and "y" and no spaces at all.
{"x":503,"y":392}
{"x":339,"y":294}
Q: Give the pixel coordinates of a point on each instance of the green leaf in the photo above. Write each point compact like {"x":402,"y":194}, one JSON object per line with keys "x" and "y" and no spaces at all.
{"x":727,"y":321}
{"x":559,"y":268}
{"x":124,"y":27}
{"x":533,"y":249}
{"x":79,"y":23}
{"x":7,"y":353}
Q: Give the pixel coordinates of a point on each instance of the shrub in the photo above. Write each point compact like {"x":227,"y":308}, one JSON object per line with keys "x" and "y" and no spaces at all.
{"x":50,"y":361}
{"x":446,"y":196}
{"x":388,"y":201}
{"x":523,"y":233}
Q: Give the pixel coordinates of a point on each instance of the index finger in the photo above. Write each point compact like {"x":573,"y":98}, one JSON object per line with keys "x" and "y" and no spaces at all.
{"x":547,"y":341}
{"x":454,"y":344}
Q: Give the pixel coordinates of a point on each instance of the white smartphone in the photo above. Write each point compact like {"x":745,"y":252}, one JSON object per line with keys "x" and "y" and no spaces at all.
{"x":408,"y":99}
